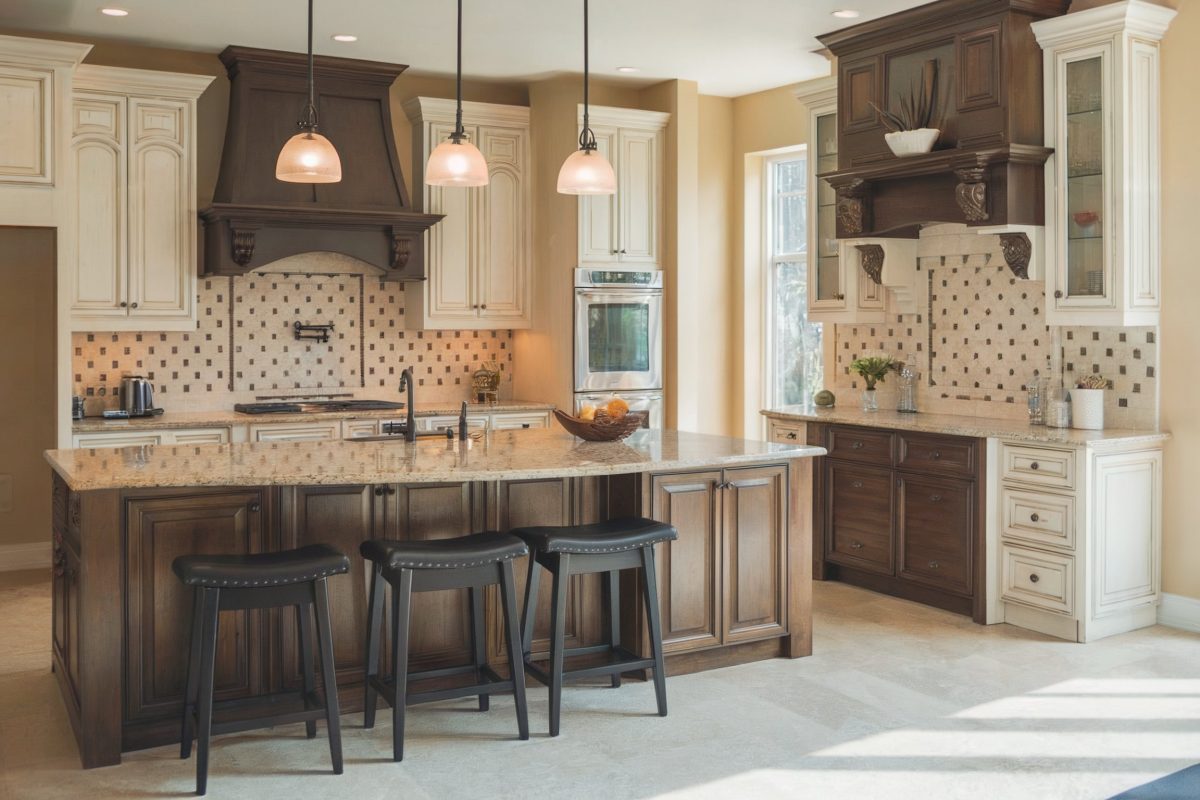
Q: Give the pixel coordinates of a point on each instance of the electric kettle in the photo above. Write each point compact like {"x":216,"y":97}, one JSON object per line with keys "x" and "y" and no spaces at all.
{"x":137,"y":396}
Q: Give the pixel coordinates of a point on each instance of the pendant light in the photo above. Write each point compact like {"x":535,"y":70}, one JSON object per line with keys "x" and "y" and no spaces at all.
{"x":457,"y":162}
{"x":586,"y":171}
{"x":308,"y":157}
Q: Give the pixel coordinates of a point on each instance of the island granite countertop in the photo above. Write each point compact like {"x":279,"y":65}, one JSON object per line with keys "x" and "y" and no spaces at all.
{"x":960,"y":425}
{"x":497,"y":455}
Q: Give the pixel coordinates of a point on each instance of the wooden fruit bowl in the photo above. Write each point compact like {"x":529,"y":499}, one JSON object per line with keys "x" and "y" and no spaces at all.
{"x":603,"y":428}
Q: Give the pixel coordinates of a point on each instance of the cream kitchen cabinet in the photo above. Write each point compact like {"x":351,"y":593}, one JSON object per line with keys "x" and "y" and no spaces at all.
{"x":133,"y":211}
{"x":134,"y":437}
{"x":1101,"y":71}
{"x":626,"y":228}
{"x":480,"y":255}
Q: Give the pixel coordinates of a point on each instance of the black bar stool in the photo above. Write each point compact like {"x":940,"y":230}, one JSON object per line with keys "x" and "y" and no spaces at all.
{"x":467,"y":562}
{"x":268,"y":580}
{"x":607,"y":547}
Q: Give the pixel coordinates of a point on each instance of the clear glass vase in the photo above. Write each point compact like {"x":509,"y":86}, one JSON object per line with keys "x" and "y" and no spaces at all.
{"x":869,"y":400}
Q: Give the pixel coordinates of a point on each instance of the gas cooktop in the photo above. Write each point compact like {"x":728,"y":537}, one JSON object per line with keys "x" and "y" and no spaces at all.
{"x":317,"y":406}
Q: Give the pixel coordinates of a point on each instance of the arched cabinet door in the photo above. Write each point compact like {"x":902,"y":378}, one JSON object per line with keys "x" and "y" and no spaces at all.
{"x":504,"y":227}
{"x":99,"y":212}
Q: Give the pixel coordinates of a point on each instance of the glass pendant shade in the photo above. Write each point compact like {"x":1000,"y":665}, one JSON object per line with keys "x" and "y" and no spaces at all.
{"x":308,"y":157}
{"x":587,"y":172}
{"x":456,"y":164}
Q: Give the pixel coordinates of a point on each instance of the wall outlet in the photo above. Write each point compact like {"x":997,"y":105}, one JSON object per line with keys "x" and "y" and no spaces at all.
{"x":6,"y":506}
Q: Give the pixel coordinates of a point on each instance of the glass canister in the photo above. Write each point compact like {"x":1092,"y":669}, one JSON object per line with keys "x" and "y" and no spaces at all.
{"x":1058,"y":408}
{"x":1036,"y":399}
{"x":906,"y":399}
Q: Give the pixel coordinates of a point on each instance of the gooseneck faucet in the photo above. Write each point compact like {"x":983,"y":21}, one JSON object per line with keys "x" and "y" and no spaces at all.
{"x":410,"y":422}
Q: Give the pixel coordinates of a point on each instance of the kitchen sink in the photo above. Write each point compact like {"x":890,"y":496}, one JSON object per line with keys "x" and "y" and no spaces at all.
{"x":317,"y":406}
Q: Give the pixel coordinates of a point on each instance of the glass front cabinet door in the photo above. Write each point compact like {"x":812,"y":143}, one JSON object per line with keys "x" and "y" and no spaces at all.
{"x":1102,"y":184}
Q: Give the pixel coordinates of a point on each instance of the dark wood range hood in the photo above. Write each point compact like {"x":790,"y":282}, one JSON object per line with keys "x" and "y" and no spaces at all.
{"x":987,"y":168}
{"x":256,"y":219}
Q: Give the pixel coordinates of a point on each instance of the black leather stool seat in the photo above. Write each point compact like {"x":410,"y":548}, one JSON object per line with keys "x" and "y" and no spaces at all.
{"x":613,"y":536}
{"x":475,"y":550}
{"x":301,"y":565}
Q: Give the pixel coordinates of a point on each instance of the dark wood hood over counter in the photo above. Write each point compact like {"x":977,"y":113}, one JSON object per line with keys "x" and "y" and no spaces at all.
{"x":256,"y":219}
{"x":987,"y":167}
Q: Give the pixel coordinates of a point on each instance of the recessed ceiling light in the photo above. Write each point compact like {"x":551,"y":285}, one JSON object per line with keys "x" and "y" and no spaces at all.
{"x":847,"y":13}
{"x":114,"y":12}
{"x":344,"y":37}
{"x":628,"y":69}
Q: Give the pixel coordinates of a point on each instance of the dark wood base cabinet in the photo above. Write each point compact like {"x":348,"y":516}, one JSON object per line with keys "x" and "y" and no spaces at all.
{"x":901,"y":513}
{"x":121,"y":617}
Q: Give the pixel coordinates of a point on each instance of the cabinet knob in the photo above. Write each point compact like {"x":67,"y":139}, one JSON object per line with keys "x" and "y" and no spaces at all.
{"x":1034,"y":465}
{"x":935,"y":498}
{"x":857,"y":484}
{"x":856,"y":445}
{"x":856,"y":545}
{"x":791,"y":435}
{"x":391,"y":490}
{"x":1058,"y":293}
{"x":483,"y":306}
{"x":1034,"y":517}
{"x":133,"y":305}
{"x":935,"y":455}
{"x":379,"y":491}
{"x":524,"y":424}
{"x":1033,"y":577}
{"x":254,"y":508}
{"x":124,"y":304}
{"x":622,"y":252}
{"x":934,"y":565}
{"x":841,"y":297}
{"x":612,"y":252}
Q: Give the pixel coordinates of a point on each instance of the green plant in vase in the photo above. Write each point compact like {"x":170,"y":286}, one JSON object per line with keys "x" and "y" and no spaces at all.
{"x":872,"y":369}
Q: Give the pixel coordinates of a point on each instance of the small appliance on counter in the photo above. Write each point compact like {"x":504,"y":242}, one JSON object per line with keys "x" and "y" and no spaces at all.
{"x":137,"y":397}
{"x":77,"y":407}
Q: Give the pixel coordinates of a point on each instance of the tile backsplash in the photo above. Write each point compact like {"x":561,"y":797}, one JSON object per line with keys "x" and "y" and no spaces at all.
{"x":980,"y":336}
{"x":244,"y":346}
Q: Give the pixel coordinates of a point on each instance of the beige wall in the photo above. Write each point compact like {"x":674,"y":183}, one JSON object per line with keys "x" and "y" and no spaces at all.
{"x":1181,"y":290}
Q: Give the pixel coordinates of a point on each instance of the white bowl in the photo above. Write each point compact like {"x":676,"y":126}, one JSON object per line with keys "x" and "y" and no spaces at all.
{"x":912,"y":143}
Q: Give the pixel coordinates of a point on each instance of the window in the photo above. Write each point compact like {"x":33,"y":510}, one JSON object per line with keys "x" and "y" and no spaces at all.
{"x":793,"y":344}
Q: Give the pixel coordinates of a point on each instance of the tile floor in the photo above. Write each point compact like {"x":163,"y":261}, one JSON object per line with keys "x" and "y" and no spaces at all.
{"x":900,"y":701}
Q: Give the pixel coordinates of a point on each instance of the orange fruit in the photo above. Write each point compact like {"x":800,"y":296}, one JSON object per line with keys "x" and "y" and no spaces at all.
{"x":617,"y":408}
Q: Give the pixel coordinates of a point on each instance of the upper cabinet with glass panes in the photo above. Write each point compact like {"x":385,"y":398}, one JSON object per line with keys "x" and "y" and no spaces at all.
{"x":1102,"y":184}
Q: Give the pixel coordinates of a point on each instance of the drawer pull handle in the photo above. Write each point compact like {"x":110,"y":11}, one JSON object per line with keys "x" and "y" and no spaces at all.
{"x":379,"y":491}
{"x":856,"y":545}
{"x":857,"y":484}
{"x":934,"y":565}
{"x":1034,"y":517}
{"x":1033,"y":577}
{"x":856,"y":445}
{"x":935,"y":498}
{"x":254,"y":507}
{"x":935,"y":455}
{"x":1034,"y":465}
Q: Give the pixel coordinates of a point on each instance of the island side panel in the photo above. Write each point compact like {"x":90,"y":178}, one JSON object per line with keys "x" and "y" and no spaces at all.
{"x":801,"y":513}
{"x":99,"y":622}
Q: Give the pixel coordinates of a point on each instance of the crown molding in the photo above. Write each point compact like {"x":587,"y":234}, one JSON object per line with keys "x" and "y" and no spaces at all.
{"x":1147,"y":20}
{"x":24,"y":50}
{"x":176,"y":85}
{"x":817,"y":92}
{"x":441,"y":109}
{"x":623,"y":117}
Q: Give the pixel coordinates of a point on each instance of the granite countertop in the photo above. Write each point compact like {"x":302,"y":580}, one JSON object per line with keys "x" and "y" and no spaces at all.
{"x":220,"y":419}
{"x":957,"y":425}
{"x":499,"y":455}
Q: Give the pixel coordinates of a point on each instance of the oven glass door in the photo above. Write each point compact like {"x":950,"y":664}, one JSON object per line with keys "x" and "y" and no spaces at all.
{"x":618,"y":339}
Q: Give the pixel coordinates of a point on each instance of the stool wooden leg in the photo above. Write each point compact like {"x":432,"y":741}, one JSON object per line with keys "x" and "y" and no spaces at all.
{"x":558,"y":625}
{"x":208,"y":653}
{"x":516,"y":663}
{"x":374,"y":626}
{"x":193,"y":674}
{"x":304,"y":634}
{"x":529,"y":612}
{"x":650,"y":590}
{"x":478,"y":644}
{"x":612,"y":579}
{"x":328,"y":672}
{"x":401,"y":602}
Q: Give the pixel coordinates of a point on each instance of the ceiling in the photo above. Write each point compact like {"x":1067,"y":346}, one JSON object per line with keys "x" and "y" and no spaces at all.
{"x":729,"y":48}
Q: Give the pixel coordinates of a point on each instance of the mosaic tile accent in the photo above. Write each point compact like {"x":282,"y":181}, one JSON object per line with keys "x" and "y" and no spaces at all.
{"x":982,"y":337}
{"x":244,"y":347}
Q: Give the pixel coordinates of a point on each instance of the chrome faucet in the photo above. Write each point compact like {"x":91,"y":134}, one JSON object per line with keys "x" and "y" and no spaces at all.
{"x":410,"y":423}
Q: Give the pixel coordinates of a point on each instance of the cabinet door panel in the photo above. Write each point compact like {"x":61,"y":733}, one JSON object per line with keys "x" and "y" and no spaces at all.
{"x":342,"y":517}
{"x":503,"y":237}
{"x":99,"y":207}
{"x":935,"y":520}
{"x":449,"y":291}
{"x":755,"y":553}
{"x":159,"y":607}
{"x":689,"y":568}
{"x":161,"y":210}
{"x":598,"y":213}
{"x":25,"y":141}
{"x":440,"y":622}
{"x":637,"y":187}
{"x":859,"y":514}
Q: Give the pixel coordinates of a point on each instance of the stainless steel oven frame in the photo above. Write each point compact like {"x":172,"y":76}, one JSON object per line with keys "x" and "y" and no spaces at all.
{"x":642,"y":287}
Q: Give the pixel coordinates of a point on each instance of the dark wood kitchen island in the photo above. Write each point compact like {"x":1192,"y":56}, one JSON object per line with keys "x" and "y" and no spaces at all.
{"x":735,"y":586}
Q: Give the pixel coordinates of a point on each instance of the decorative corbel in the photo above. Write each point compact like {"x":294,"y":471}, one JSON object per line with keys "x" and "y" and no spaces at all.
{"x":971,"y":193}
{"x":1017,"y":250}
{"x":243,"y":244}
{"x":852,"y":212}
{"x":401,"y":249}
{"x":872,"y":261}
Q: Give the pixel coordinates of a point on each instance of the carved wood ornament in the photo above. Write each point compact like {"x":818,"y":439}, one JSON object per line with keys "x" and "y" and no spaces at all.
{"x":243,"y":245}
{"x":971,"y":193}
{"x":1017,"y":250}
{"x":852,"y":207}
{"x":872,"y":261}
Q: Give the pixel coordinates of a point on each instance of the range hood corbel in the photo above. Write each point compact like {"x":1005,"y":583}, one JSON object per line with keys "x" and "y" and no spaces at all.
{"x":256,"y":219}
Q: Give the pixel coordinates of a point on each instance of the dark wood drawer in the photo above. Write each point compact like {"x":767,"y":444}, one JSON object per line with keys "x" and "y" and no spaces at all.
{"x":860,"y":444}
{"x":923,"y":452}
{"x":935,"y":521}
{"x":859,"y":512}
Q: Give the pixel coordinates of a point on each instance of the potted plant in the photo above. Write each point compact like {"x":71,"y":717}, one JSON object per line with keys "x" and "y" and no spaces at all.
{"x":910,"y":127}
{"x":1087,"y":402}
{"x":872,"y":369}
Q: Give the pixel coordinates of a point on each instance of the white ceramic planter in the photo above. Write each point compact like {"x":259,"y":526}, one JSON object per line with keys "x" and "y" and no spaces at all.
{"x":1087,"y":409}
{"x":912,"y":143}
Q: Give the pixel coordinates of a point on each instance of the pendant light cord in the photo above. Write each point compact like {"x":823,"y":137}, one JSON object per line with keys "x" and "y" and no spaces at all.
{"x":309,"y":122}
{"x":459,"y":134}
{"x":587,"y":139}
